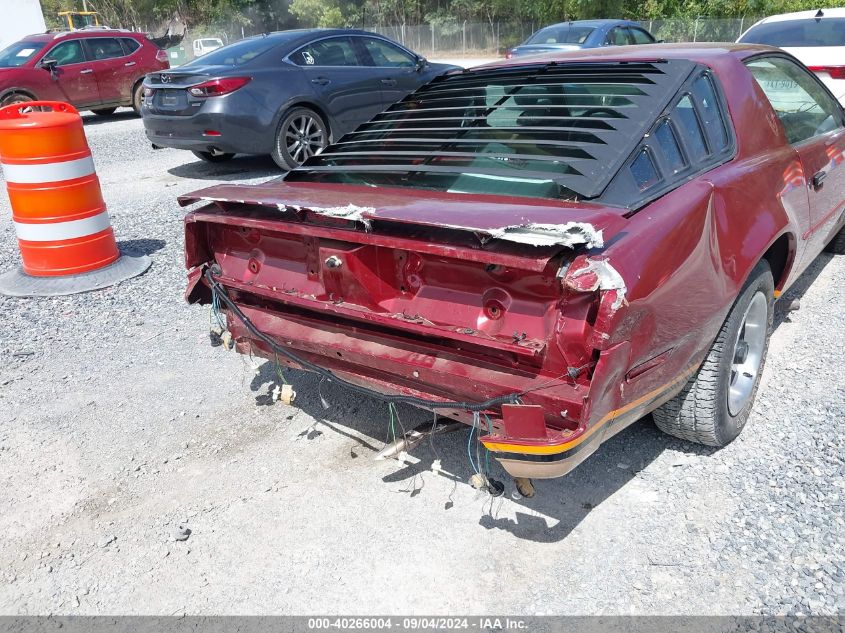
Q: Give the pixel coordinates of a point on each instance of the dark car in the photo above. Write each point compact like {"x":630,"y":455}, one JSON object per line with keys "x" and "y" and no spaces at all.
{"x":572,"y":243}
{"x":570,"y":36}
{"x":96,"y":69}
{"x":286,"y":94}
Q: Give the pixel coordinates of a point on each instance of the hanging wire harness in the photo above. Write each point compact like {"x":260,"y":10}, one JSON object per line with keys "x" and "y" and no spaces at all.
{"x":220,"y":296}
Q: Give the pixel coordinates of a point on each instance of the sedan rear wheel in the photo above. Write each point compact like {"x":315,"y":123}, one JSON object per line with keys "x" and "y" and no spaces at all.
{"x":301,"y":134}
{"x":715,"y":404}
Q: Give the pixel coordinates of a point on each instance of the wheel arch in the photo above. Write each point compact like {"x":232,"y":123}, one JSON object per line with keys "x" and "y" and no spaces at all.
{"x":781,"y":258}
{"x":311,"y":105}
{"x":16,"y":91}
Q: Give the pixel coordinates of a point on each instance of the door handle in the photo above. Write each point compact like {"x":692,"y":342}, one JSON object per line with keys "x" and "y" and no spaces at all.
{"x":322,"y":81}
{"x":388,"y":82}
{"x":129,"y":63}
{"x":87,"y":71}
{"x":818,"y":179}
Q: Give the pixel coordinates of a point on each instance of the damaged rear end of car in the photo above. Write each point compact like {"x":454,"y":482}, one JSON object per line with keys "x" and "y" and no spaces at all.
{"x":449,"y":254}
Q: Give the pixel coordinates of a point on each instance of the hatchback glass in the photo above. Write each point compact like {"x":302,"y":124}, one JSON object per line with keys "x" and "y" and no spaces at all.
{"x":798,"y":33}
{"x":19,"y":53}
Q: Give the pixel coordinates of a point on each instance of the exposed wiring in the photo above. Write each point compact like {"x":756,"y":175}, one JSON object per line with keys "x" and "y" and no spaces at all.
{"x":220,"y":294}
{"x":469,"y":442}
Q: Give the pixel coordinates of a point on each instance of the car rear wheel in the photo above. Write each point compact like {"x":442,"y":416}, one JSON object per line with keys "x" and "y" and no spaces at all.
{"x":138,"y":97}
{"x":213,"y":158}
{"x":15,"y":98}
{"x":837,"y":244}
{"x":104,"y":111}
{"x":301,"y":134}
{"x":714,"y":405}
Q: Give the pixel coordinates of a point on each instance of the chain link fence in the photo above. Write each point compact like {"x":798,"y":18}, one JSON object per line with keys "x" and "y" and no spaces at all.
{"x":476,"y":39}
{"x":460,"y":39}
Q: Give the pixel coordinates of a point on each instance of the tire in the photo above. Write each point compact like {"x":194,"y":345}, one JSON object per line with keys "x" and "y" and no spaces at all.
{"x":16,"y":97}
{"x":104,"y":111}
{"x":714,"y":405}
{"x":213,"y":158}
{"x":138,"y":97}
{"x":301,"y":133}
{"x":837,"y":244}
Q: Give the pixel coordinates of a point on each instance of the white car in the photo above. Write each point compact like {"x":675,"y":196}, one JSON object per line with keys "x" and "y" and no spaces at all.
{"x":206,"y":45}
{"x":816,"y":38}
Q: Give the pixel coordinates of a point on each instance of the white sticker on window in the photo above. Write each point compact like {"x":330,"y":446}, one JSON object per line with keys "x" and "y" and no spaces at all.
{"x":25,"y":52}
{"x":308,"y":57}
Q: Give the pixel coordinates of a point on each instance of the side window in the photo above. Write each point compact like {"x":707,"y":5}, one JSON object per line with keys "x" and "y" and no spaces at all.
{"x":617,"y":37}
{"x":804,"y":108}
{"x":66,"y":53}
{"x":385,"y":54}
{"x":129,"y":45}
{"x":336,"y":51}
{"x":639,"y":36}
{"x":100,"y":48}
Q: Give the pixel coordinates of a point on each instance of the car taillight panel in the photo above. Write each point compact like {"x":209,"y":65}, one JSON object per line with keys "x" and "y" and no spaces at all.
{"x":835,"y":72}
{"x":148,"y":92}
{"x":218,"y":87}
{"x":161,"y":55}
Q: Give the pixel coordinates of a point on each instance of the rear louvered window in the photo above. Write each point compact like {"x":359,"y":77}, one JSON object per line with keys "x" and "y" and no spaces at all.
{"x":547,"y":130}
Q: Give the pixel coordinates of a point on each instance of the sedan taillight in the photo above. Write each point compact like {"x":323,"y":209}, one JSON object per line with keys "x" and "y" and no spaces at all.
{"x":835,"y":72}
{"x":218,"y":87}
{"x":161,"y":55}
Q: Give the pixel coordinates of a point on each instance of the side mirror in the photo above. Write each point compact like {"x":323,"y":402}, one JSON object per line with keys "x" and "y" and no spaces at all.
{"x":422,"y":62}
{"x":49,"y":64}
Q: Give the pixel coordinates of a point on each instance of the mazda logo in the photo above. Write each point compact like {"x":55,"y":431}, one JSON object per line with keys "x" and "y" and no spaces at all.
{"x":165,"y":79}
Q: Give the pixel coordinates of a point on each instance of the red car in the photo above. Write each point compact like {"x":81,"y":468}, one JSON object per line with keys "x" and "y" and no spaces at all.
{"x":547,"y":250}
{"x":98,"y":69}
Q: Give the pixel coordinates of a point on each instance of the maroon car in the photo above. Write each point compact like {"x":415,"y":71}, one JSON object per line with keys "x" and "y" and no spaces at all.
{"x":97,"y":69}
{"x":546,"y":250}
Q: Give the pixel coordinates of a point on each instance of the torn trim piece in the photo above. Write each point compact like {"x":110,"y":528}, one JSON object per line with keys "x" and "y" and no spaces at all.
{"x":351,"y":212}
{"x":569,"y":235}
{"x":598,"y":274}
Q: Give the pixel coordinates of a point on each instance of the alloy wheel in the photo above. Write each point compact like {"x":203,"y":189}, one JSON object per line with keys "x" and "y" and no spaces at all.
{"x":748,"y":353}
{"x":304,"y":137}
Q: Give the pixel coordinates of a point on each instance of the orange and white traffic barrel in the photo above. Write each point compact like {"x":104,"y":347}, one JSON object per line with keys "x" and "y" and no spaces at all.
{"x":66,"y":241}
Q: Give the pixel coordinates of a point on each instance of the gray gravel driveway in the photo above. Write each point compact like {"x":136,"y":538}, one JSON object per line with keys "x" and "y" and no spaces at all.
{"x":121,"y":429}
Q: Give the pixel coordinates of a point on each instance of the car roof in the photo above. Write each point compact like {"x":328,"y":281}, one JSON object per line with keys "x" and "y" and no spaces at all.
{"x":58,"y":35}
{"x":804,"y":15}
{"x":702,"y":53}
{"x":593,"y":23}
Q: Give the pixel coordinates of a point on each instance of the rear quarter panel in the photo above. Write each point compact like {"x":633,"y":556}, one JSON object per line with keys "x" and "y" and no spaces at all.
{"x":686,"y":256}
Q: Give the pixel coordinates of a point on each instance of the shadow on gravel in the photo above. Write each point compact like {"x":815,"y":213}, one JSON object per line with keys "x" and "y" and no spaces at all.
{"x":238,"y":168}
{"x":90,"y":118}
{"x":559,"y":505}
{"x":136,"y":248}
{"x":800,"y":287}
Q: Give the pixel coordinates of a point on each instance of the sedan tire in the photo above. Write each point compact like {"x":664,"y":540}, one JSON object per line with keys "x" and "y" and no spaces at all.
{"x":301,"y":134}
{"x":714,"y":405}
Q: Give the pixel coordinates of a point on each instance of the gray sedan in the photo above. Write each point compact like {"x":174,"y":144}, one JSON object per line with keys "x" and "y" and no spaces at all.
{"x":286,"y":94}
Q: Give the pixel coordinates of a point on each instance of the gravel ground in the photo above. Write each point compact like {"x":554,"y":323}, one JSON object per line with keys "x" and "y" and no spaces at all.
{"x":121,"y":429}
